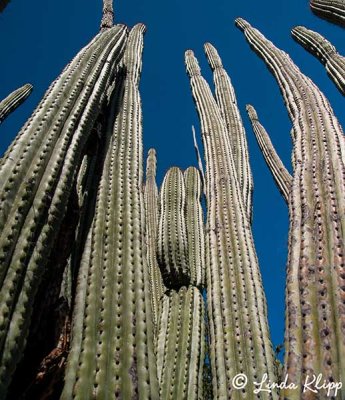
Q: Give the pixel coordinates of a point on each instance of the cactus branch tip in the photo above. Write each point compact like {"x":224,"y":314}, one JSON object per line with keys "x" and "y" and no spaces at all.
{"x":212,"y":56}
{"x":253,"y":115}
{"x":242,"y":24}
{"x":192,"y":64}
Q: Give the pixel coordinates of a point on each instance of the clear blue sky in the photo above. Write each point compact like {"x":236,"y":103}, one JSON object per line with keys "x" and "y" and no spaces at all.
{"x":40,"y":37}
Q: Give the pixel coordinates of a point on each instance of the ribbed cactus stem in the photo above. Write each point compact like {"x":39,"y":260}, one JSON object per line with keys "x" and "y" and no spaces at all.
{"x":198,"y":156}
{"x":14,"y":100}
{"x":181,"y":345}
{"x":151,"y":213}
{"x":280,"y":174}
{"x":323,"y":50}
{"x":331,"y":10}
{"x":172,"y":242}
{"x":108,"y":15}
{"x":315,"y":290}
{"x":113,"y":356}
{"x":240,"y":340}
{"x":38,"y":172}
{"x":226,"y":100}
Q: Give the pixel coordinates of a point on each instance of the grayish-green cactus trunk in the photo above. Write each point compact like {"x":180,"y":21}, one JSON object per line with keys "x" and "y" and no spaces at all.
{"x":14,"y":100}
{"x":315,"y":289}
{"x":331,"y":10}
{"x":240,"y":342}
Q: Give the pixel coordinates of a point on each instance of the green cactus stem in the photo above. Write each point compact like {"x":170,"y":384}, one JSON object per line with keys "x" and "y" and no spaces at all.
{"x":240,"y":341}
{"x":226,"y":100}
{"x":38,"y":172}
{"x":315,"y":289}
{"x":14,"y":100}
{"x":280,"y":174}
{"x":112,"y":354}
{"x":181,"y":345}
{"x":325,"y":52}
{"x":172,"y":249}
{"x":331,"y":10}
{"x":151,"y":213}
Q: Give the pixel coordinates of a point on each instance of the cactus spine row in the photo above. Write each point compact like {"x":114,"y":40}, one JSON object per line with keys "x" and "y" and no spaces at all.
{"x":331,"y":10}
{"x":315,"y":291}
{"x":240,"y":340}
{"x":14,"y":100}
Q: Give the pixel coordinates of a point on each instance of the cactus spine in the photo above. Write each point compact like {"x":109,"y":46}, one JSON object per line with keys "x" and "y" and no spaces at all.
{"x":315,"y":295}
{"x":331,"y":10}
{"x":240,"y":340}
{"x":327,"y":54}
{"x":14,"y":100}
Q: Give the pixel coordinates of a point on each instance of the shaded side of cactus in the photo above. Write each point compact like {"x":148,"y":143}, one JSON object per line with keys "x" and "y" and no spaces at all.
{"x":38,"y":171}
{"x":280,"y":174}
{"x":14,"y":100}
{"x":227,"y":102}
{"x":112,"y":351}
{"x":151,"y":214}
{"x":315,"y":290}
{"x":325,"y":52}
{"x":240,"y":341}
{"x":180,"y":344}
{"x":331,"y":10}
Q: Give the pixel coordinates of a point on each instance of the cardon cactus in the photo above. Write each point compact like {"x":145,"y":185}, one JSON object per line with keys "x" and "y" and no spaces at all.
{"x":315,"y":288}
{"x":37,"y":173}
{"x":112,"y":352}
{"x":322,"y":49}
{"x":240,"y":342}
{"x":331,"y":10}
{"x":14,"y":100}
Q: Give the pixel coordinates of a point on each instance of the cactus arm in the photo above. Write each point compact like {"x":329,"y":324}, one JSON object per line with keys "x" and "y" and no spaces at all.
{"x":198,"y":156}
{"x":172,"y":250}
{"x":315,"y":318}
{"x":226,"y":100}
{"x":14,"y":100}
{"x":236,"y":303}
{"x":116,"y":354}
{"x":108,"y":15}
{"x":280,"y":174}
{"x":327,"y":54}
{"x":151,"y":211}
{"x":331,"y":10}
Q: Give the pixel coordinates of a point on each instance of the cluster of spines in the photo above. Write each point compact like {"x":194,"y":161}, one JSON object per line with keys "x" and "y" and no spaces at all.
{"x":239,"y":334}
{"x":315,"y":295}
{"x":322,"y":49}
{"x":331,"y":10}
{"x":14,"y":100}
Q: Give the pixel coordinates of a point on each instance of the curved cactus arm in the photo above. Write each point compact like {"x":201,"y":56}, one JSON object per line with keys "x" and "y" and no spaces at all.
{"x":14,"y":100}
{"x":38,"y":200}
{"x":280,"y":174}
{"x":172,"y":245}
{"x":116,"y":355}
{"x":198,"y":157}
{"x":327,"y":54}
{"x":195,"y":226}
{"x":331,"y":10}
{"x":108,"y":15}
{"x":151,"y":211}
{"x":226,"y":100}
{"x":240,"y":341}
{"x":181,"y":344}
{"x":315,"y":317}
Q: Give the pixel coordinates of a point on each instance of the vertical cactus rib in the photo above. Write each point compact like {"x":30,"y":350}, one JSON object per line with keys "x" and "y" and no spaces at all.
{"x":327,"y":54}
{"x":38,"y":172}
{"x":240,"y":340}
{"x":108,"y":15}
{"x":14,"y":100}
{"x":280,"y":174}
{"x":181,"y":344}
{"x":331,"y":10}
{"x":172,"y":249}
{"x":113,"y":357}
{"x":226,"y":100}
{"x":195,"y":226}
{"x":198,"y":156}
{"x":151,"y":213}
{"x":315,"y":295}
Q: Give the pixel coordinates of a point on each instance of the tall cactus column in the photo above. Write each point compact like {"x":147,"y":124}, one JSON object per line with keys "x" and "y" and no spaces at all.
{"x":315,"y":290}
{"x":112,"y":353}
{"x":240,"y":342}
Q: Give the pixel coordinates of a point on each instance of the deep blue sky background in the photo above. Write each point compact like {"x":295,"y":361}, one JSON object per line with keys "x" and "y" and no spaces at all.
{"x":40,"y":37}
